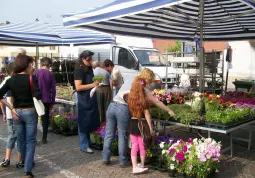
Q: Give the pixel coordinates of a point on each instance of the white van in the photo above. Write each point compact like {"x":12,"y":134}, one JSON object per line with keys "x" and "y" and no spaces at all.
{"x":131,"y":59}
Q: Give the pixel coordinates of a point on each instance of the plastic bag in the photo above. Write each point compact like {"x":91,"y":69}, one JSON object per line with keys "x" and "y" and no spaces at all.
{"x":92,"y":92}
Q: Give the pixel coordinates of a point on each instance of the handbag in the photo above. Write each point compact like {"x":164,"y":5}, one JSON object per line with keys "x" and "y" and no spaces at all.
{"x":145,"y":133}
{"x":39,"y":107}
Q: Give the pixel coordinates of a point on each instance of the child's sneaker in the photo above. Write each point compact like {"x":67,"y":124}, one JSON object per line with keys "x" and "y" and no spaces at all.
{"x":19,"y":165}
{"x":139,"y":170}
{"x":5,"y":163}
{"x":140,"y":165}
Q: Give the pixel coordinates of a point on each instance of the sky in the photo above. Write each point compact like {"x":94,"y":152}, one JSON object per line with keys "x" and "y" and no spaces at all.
{"x":45,"y":10}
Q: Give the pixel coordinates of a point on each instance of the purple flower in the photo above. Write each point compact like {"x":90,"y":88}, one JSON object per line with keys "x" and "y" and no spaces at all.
{"x":155,"y":149}
{"x":169,"y":136}
{"x":190,"y":167}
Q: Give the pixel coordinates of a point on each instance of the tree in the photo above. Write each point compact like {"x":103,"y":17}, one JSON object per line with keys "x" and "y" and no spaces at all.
{"x":175,"y":48}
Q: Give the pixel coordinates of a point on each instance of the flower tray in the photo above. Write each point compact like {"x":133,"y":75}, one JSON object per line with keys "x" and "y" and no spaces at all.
{"x":197,"y":122}
{"x":219,"y":125}
{"x":65,"y":133}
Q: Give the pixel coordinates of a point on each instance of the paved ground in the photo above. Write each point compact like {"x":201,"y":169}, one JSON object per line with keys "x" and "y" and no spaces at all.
{"x":62,"y":158}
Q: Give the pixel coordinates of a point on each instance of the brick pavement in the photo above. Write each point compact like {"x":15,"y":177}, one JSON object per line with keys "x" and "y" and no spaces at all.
{"x":62,"y":158}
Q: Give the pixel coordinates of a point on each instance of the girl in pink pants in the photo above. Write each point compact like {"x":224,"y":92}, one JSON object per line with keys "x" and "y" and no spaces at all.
{"x":138,"y":106}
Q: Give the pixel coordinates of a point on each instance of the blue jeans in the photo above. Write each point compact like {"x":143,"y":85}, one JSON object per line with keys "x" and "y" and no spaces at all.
{"x":26,"y":128}
{"x":115,"y":91}
{"x":117,"y":115}
{"x":84,"y":139}
{"x":12,"y":135}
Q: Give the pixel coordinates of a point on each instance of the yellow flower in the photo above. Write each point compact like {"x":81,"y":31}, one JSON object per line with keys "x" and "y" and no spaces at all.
{"x":161,"y":92}
{"x":218,"y":96}
{"x":57,"y":116}
{"x":211,"y":101}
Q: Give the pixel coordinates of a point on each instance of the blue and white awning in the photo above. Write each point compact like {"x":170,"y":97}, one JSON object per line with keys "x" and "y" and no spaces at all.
{"x":44,"y":34}
{"x":170,"y":19}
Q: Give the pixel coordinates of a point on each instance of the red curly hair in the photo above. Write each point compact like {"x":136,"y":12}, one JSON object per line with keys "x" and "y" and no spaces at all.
{"x":136,"y":98}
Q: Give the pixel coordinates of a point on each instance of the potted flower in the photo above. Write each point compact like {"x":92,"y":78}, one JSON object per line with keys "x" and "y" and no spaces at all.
{"x":61,"y":121}
{"x":203,"y":158}
{"x":177,"y":154}
{"x":72,"y":122}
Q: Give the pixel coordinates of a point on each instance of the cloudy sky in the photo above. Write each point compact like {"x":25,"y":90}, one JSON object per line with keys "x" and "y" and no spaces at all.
{"x":45,"y":10}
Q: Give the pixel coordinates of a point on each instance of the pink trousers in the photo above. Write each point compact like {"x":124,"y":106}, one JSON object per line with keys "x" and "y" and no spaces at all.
{"x":137,"y":144}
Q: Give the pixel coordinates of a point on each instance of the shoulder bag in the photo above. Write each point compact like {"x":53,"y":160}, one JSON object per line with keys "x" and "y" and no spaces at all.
{"x":145,"y":133}
{"x":39,"y":107}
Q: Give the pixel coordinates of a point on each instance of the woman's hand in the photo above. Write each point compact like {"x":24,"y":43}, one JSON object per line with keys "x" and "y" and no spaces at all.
{"x":171,"y":113}
{"x":4,"y":117}
{"x":96,"y":83}
{"x":15,"y":114}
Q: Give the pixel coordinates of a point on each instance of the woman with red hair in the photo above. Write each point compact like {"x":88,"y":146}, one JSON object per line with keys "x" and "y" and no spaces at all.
{"x":138,"y":106}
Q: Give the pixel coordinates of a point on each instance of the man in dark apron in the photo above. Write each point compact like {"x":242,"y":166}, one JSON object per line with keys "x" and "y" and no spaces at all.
{"x":88,"y":114}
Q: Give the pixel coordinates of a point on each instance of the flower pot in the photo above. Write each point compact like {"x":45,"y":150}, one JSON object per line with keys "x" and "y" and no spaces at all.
{"x":180,"y":175}
{"x":171,"y":173}
{"x":190,"y":176}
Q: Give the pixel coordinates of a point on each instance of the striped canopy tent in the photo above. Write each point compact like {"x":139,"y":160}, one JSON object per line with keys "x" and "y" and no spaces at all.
{"x":211,"y":20}
{"x":44,"y":34}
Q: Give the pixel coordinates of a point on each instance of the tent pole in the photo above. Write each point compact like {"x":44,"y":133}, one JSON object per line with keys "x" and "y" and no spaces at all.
{"x":37,"y":56}
{"x":201,"y":66}
{"x":166,"y":83}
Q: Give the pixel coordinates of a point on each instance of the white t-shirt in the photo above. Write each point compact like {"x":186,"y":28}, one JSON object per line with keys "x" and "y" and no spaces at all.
{"x":117,"y":78}
{"x":8,"y":111}
{"x":124,"y":90}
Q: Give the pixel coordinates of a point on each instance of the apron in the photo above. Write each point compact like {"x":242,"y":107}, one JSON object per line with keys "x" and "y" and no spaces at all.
{"x":88,"y":113}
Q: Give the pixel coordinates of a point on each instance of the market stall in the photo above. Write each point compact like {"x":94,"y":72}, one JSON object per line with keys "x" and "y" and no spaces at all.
{"x":193,"y":20}
{"x":223,"y":114}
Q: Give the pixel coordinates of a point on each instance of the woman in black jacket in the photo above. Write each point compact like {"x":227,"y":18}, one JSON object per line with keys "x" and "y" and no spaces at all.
{"x":23,"y":111}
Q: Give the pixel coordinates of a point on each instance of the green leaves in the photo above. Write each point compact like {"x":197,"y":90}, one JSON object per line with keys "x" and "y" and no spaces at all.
{"x":99,"y":78}
{"x":229,"y":115}
{"x":183,"y":113}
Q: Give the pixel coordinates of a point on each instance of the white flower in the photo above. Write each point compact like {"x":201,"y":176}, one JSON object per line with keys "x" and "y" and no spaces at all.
{"x":195,"y":141}
{"x":173,"y":158}
{"x":164,"y":151}
{"x":162,"y":144}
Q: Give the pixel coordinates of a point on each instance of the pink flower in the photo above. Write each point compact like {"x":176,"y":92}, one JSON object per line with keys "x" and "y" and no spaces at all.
{"x":172,"y":150}
{"x":180,"y":156}
{"x":185,"y":149}
{"x":190,"y":141}
{"x":190,"y":167}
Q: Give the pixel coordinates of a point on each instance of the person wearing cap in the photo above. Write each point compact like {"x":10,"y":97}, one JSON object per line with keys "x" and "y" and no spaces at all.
{"x":88,"y":113}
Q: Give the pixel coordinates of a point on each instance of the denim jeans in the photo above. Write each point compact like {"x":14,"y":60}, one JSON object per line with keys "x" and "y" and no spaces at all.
{"x":84,"y":139}
{"x":115,"y":91}
{"x":26,"y":128}
{"x":117,"y":115}
{"x":12,"y":135}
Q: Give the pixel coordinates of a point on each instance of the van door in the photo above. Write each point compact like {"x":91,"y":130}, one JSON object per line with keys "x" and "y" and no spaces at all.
{"x":125,"y":61}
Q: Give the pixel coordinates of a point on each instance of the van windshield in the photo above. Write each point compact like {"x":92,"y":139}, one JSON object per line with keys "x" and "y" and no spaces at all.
{"x":150,"y":58}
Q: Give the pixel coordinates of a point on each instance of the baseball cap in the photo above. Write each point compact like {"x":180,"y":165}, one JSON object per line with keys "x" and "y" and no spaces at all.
{"x":86,"y":54}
